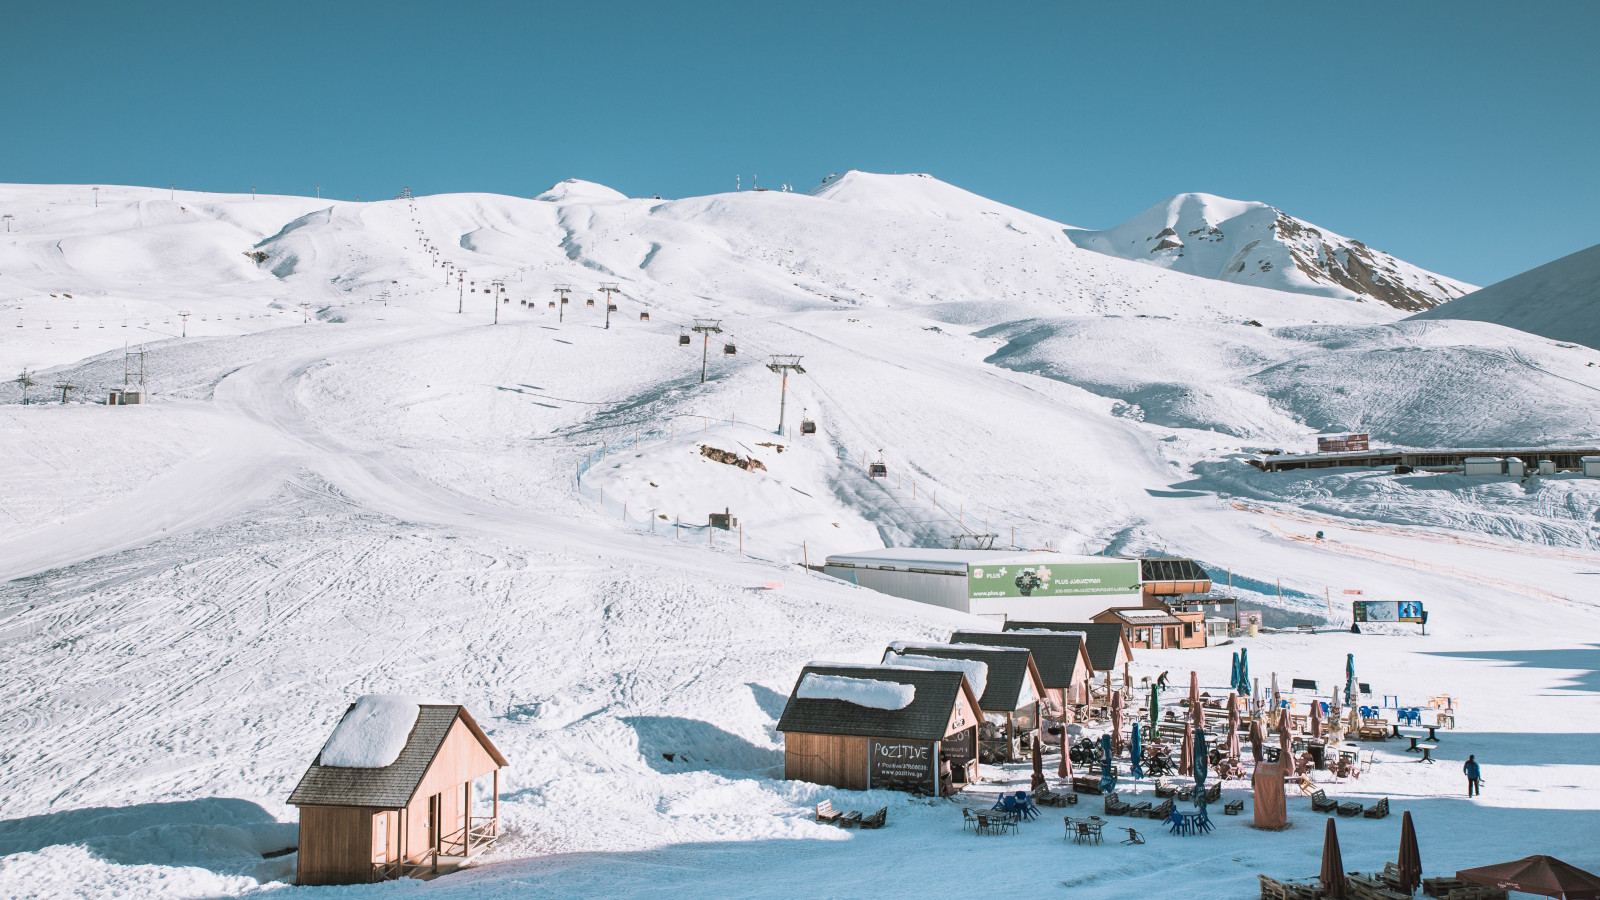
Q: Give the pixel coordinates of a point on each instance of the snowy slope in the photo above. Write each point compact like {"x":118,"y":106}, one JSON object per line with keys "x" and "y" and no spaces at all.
{"x":384,"y":500}
{"x":1559,"y":300}
{"x":1248,"y":242}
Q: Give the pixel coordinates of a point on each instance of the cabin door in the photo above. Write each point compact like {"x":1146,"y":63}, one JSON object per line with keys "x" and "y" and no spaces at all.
{"x":433,"y":821}
{"x":384,"y":837}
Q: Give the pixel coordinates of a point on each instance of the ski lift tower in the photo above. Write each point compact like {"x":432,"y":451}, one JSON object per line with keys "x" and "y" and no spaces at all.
{"x":706,"y":327}
{"x":184,"y":315}
{"x":461,"y":291}
{"x":563,"y":290}
{"x":499,"y":288}
{"x":783,"y":364}
{"x":610,"y":289}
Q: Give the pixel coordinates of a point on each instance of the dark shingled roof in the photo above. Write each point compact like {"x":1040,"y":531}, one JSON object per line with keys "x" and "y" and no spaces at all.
{"x":1172,"y":570}
{"x":391,"y":786}
{"x":1056,"y":655}
{"x":1007,"y":668}
{"x":925,"y":719}
{"x":1104,"y":639}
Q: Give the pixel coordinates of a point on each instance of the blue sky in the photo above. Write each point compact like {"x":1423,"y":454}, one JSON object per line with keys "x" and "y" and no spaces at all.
{"x":1460,"y":136}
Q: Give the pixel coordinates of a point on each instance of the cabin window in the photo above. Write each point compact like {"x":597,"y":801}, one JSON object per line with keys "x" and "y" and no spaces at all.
{"x":1188,"y":629}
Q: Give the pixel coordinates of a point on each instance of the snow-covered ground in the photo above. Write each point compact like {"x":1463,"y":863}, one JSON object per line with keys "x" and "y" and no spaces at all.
{"x":386,"y":500}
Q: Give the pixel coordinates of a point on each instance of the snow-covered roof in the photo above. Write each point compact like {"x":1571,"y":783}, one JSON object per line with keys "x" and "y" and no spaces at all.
{"x":977,"y":671}
{"x":390,"y":786}
{"x":955,"y":561}
{"x":372,"y":734}
{"x":869,"y":692}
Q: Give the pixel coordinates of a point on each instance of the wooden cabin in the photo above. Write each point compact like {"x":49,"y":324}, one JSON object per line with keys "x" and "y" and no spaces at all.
{"x":928,"y":746}
{"x":413,"y":817}
{"x":1009,"y":697}
{"x":1109,"y":647}
{"x":1172,"y":577}
{"x":1061,"y":657}
{"x":1159,"y":628}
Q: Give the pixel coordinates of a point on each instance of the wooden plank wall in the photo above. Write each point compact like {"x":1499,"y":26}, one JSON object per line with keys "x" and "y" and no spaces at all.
{"x":335,"y":845}
{"x":460,"y":759}
{"x":836,"y":760}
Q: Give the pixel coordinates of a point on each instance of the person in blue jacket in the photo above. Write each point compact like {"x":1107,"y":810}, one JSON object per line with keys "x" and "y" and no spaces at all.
{"x":1471,"y":768}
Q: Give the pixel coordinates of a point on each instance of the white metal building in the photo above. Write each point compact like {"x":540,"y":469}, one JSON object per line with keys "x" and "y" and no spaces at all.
{"x":1004,"y":584}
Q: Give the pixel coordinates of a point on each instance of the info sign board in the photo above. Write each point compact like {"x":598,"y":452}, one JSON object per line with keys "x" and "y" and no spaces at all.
{"x":902,"y":766}
{"x":1053,"y":579}
{"x":1388,"y":611}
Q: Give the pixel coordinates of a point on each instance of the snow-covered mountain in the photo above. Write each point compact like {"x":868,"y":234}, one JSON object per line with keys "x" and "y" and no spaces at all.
{"x":1559,"y":300}
{"x":1247,"y":242}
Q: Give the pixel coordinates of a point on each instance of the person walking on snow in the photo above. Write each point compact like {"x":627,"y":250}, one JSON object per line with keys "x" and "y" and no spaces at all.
{"x":1471,"y":768}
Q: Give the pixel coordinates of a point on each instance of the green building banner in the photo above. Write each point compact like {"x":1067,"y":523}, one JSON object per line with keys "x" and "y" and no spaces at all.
{"x":1053,"y":579}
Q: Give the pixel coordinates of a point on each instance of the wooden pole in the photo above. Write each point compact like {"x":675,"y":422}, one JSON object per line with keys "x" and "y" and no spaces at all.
{"x":741,"y":538}
{"x":497,"y":802}
{"x":466,"y":839}
{"x":805,"y":555}
{"x":710,"y":533}
{"x":677,"y":526}
{"x":624,"y":510}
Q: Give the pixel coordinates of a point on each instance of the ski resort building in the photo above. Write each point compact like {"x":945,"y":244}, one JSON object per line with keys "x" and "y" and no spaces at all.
{"x":413,"y":816}
{"x":1160,"y":627}
{"x":1007,"y":683}
{"x":868,"y":727}
{"x":1108,"y":645}
{"x":1062,"y":658}
{"x":1051,"y":587}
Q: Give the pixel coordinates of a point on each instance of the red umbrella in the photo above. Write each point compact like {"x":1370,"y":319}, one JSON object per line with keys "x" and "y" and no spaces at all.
{"x":1544,"y":875}
{"x":1333,"y":883}
{"x":1038,"y":763}
{"x":1116,"y":722}
{"x":1233,"y":726}
{"x":1186,"y":752}
{"x":1316,"y":719}
{"x":1410,"y":863}
{"x":1258,"y":737}
{"x":1197,"y":713}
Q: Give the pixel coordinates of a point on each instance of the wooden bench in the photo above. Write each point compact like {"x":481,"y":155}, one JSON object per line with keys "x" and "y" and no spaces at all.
{"x":827,"y":815}
{"x":1115,"y":807}
{"x":1321,"y":803}
{"x":1366,"y":889}
{"x":1476,"y":892}
{"x":1439,"y":887}
{"x":1161,"y":812}
{"x":1233,"y":807}
{"x":877,"y":819}
{"x":1378,"y":810}
{"x":1350,"y":808}
{"x":850,"y":819}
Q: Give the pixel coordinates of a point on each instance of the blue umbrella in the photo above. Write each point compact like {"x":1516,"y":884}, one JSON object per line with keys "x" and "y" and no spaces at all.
{"x":1136,"y":753}
{"x":1108,"y":771}
{"x":1244,"y":672}
{"x":1350,"y":679}
{"x":1233,"y":679}
{"x":1200,"y":769}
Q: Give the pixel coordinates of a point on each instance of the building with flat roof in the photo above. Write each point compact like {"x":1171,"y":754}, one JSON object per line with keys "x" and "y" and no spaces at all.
{"x":1038,"y":586}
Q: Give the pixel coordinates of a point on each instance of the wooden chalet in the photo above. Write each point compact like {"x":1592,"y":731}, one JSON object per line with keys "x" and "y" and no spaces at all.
{"x":1010,"y":699}
{"x":928,"y":747}
{"x":1061,"y":657}
{"x":1155,"y":628}
{"x":1109,"y":647}
{"x":409,"y":818}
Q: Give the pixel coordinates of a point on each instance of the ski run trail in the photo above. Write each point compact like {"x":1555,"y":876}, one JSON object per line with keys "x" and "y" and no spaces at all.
{"x":343,"y":486}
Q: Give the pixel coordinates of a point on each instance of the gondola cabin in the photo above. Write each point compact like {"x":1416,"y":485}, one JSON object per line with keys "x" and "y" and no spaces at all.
{"x":879,"y":470}
{"x":1006,"y":681}
{"x":890,"y":727}
{"x":552,"y":304}
{"x":391,"y":794}
{"x":644,"y":317}
{"x":1062,"y":658}
{"x":683,"y":339}
{"x":808,"y":427}
{"x":590,"y":302}
{"x":611,"y":307}
{"x":729,"y":349}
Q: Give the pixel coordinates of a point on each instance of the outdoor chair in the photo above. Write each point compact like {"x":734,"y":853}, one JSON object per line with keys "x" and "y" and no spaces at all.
{"x":1378,"y":810}
{"x":968,"y":819}
{"x":1140,"y":810}
{"x":1164,"y":788}
{"x":1350,"y":808}
{"x":850,"y":819}
{"x":877,"y":819}
{"x":1185,"y":794}
{"x":1214,"y":792}
{"x":1161,"y":812}
{"x":1133,"y":837}
{"x":1321,"y":803}
{"x":826,"y":814}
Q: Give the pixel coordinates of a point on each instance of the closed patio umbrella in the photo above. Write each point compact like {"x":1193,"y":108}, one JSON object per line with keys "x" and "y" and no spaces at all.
{"x":1064,"y":767}
{"x":1544,"y":875}
{"x":1276,"y":705}
{"x":1350,"y":679}
{"x":1136,"y":752}
{"x":1332,"y":876}
{"x":1108,"y":766}
{"x":1233,"y":673}
{"x":1316,"y":719}
{"x":1232,"y":749}
{"x":1200,"y":769}
{"x":1116,"y":723}
{"x":1038,"y":763}
{"x":1186,"y":751}
{"x":1410,"y":863}
{"x":1244,"y":671}
{"x":1155,"y":711}
{"x":1258,"y":738}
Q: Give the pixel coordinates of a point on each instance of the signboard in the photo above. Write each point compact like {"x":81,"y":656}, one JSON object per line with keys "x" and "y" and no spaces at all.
{"x":902,"y":766}
{"x":1343,"y":443}
{"x":1388,"y":611}
{"x":1048,"y":579}
{"x":960,"y":747}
